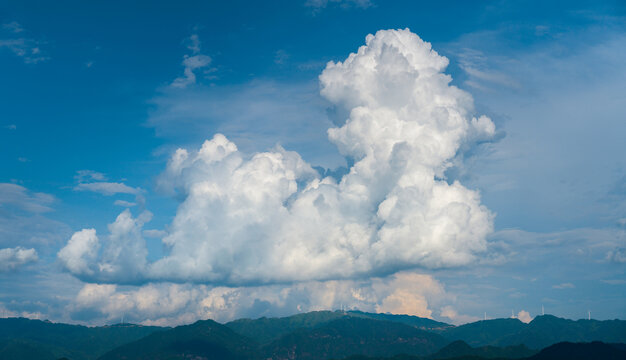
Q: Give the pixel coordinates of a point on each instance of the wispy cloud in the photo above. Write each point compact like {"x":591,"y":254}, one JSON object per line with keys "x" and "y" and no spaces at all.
{"x":318,"y":5}
{"x":22,"y":198}
{"x":563,"y":286}
{"x":124,"y":203}
{"x":475,"y":65}
{"x":89,"y":175}
{"x":13,"y":27}
{"x":108,"y":188}
{"x":28,"y":49}
{"x":192,"y":63}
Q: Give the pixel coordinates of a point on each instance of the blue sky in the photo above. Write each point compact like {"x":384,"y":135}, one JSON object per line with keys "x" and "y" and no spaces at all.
{"x":96,"y":98}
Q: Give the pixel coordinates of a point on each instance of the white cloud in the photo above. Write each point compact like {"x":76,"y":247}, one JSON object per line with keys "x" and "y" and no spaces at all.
{"x":524,"y":316}
{"x":123,"y":256}
{"x":408,"y":293}
{"x":192,"y":63}
{"x":13,"y":258}
{"x":174,"y":304}
{"x":270,"y":218}
{"x":108,"y":188}
{"x":6,"y":313}
{"x":81,"y":250}
{"x":449,"y":312}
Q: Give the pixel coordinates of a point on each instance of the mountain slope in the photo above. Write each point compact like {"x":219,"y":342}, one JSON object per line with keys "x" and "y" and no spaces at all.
{"x":415,"y":321}
{"x":547,"y":330}
{"x":352,"y":336}
{"x":72,"y":341}
{"x":204,"y":339}
{"x":23,"y":350}
{"x":264,"y":330}
{"x":460,"y":348}
{"x":581,"y":351}
{"x":487,"y":332}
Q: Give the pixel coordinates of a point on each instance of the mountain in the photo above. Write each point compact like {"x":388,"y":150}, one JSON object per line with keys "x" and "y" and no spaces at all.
{"x":265,"y":330}
{"x":351,"y":336}
{"x":560,"y":351}
{"x":543,"y":331}
{"x":581,"y":351}
{"x":205,"y":339}
{"x":62,"y":340}
{"x":23,"y":349}
{"x":310,"y":336}
{"x":415,"y":321}
{"x":546,"y":330}
{"x":485,"y":332}
{"x":460,"y":348}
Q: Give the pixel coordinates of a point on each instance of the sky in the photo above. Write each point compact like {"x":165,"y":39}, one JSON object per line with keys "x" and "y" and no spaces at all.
{"x":166,"y":162}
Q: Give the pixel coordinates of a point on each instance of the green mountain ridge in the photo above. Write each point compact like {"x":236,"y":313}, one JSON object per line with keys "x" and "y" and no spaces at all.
{"x":541,"y":332}
{"x":352,"y":335}
{"x":312,"y":336}
{"x":75,"y":342}
{"x":204,"y":339}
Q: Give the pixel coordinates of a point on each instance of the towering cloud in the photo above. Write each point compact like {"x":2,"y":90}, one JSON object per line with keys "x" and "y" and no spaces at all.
{"x":270,"y":218}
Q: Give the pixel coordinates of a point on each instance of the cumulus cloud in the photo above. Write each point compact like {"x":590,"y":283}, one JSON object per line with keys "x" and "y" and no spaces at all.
{"x":7,"y":313}
{"x":192,"y":63}
{"x":81,"y":250}
{"x":449,"y":312}
{"x":174,"y":304}
{"x":13,"y":258}
{"x":271,"y":218}
{"x":524,"y":316}
{"x":123,"y":256}
{"x":408,"y":293}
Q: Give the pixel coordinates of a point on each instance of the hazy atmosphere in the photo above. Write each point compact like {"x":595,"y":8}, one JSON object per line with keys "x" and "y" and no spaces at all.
{"x":163,"y":164}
